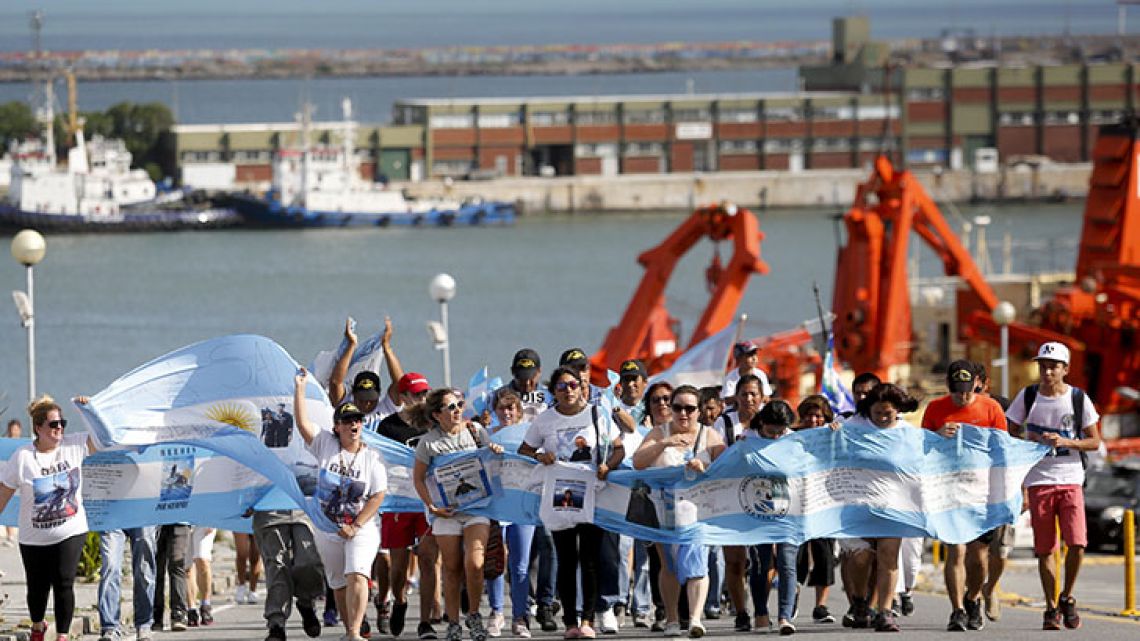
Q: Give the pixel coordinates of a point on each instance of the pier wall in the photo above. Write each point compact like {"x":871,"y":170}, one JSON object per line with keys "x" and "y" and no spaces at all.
{"x":754,"y":189}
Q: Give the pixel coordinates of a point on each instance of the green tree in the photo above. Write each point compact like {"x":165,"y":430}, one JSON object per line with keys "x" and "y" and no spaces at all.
{"x":16,"y":122}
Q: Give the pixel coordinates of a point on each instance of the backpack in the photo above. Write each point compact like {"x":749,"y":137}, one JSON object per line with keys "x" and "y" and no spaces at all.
{"x":1078,"y":400}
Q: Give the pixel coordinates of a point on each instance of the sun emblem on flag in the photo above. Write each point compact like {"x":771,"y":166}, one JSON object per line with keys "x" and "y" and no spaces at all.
{"x":232,"y":414}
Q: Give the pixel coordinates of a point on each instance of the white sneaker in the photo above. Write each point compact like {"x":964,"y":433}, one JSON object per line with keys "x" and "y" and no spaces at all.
{"x":495,"y":625}
{"x":696,"y":630}
{"x":607,"y":622}
{"x":241,"y":594}
{"x":251,"y":597}
{"x":673,"y":629}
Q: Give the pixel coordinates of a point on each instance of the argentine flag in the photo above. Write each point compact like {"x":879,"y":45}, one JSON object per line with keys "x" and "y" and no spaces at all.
{"x":836,"y":392}
{"x":704,"y":364}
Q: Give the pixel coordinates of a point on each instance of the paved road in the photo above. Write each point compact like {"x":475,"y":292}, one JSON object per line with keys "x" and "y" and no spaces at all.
{"x":1100,"y":591}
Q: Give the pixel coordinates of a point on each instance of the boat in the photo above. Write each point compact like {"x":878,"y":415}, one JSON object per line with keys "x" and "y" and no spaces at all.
{"x":97,"y":190}
{"x":321,"y":186}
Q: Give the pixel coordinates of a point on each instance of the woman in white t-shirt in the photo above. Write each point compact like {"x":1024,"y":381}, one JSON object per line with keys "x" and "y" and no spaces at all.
{"x":350,"y":487}
{"x":683,"y":441}
{"x":53,"y":524}
{"x":576,"y":431}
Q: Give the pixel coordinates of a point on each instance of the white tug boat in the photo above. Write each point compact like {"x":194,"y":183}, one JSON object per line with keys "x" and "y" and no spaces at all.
{"x":321,"y":186}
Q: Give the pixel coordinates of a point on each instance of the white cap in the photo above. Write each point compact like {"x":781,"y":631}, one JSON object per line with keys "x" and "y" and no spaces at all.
{"x":1053,"y":352}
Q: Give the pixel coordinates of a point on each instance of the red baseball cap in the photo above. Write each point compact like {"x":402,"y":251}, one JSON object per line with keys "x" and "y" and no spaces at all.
{"x":413,"y":383}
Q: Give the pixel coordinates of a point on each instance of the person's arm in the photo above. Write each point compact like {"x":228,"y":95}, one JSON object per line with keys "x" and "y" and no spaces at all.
{"x":419,"y":478}
{"x":652,"y":447}
{"x":616,"y":457}
{"x":304,"y":426}
{"x":624,"y":420}
{"x":92,"y":444}
{"x":340,"y":369}
{"x":1090,"y":442}
{"x":5,"y":495}
{"x":395,"y":370}
{"x":349,"y":530}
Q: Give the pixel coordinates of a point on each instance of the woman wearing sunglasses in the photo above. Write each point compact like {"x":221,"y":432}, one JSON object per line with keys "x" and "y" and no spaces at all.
{"x":462,"y":538}
{"x":682,"y":441}
{"x":350,"y":487}
{"x":53,"y":524}
{"x":575,"y":430}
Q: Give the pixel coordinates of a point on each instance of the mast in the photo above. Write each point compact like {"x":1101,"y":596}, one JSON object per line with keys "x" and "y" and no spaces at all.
{"x":306,"y":149}
{"x":43,"y":101}
{"x":349,"y":146}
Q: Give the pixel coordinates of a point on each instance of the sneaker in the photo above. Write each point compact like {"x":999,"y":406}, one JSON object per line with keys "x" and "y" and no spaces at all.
{"x":786,"y":628}
{"x":398,"y":617}
{"x":672,"y":629}
{"x":251,"y":597}
{"x":177,"y":624}
{"x":425,"y":632}
{"x":276,"y":633}
{"x":37,"y":635}
{"x":331,"y":617}
{"x":1052,"y":619}
{"x":607,"y":622}
{"x":712,"y":613}
{"x":906,"y":604}
{"x":454,"y":632}
{"x":1069,"y":613}
{"x":885,"y":622}
{"x":641,"y":620}
{"x":309,"y":621}
{"x":143,"y":634}
{"x":742,"y":622}
{"x":993,"y":606}
{"x":365,"y":629}
{"x":974,"y":619}
{"x":959,"y":621}
{"x":572,"y":633}
{"x":696,"y":630}
{"x":658,"y":625}
{"x":861,"y":616}
{"x":206,"y":614}
{"x":475,"y":625}
{"x":495,"y":625}
{"x":545,"y":617}
{"x":820,"y":614}
{"x":587,"y":631}
{"x":109,"y":635}
{"x":192,"y":620}
{"x":521,"y":628}
{"x":241,"y":594}
{"x":684,"y":625}
{"x":848,"y":620}
{"x":61,"y":637}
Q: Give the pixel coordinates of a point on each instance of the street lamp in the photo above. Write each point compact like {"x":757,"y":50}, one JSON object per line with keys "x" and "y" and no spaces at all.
{"x":1003,"y":315}
{"x":28,"y":248}
{"x":442,"y":289}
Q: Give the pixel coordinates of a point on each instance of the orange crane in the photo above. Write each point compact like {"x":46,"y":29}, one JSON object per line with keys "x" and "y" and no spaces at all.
{"x":647,"y":331}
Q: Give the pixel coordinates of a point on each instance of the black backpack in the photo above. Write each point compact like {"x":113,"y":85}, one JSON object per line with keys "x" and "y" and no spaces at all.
{"x":1078,"y":400}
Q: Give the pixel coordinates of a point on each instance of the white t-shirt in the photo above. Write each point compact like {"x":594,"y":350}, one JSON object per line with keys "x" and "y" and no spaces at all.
{"x":346,"y":481}
{"x":572,"y":438}
{"x":51,"y":491}
{"x":1055,"y":414}
{"x":733,"y":377}
{"x":384,"y":408}
{"x":738,"y":428}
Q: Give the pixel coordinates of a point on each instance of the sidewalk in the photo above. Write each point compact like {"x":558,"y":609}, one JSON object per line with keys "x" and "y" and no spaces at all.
{"x":14,"y":621}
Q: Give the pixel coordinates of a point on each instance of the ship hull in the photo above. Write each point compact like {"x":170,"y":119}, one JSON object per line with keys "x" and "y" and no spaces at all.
{"x":13,"y":219}
{"x":261,"y":212}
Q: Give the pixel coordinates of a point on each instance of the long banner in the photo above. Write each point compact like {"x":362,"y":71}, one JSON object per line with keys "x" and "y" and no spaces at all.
{"x":206,"y":433}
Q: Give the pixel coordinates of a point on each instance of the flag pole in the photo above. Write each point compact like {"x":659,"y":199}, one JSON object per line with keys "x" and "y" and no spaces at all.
{"x":735,"y":339}
{"x":823,"y":328}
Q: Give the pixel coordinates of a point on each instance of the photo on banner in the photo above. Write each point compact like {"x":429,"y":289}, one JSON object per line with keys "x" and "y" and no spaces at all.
{"x":568,"y":495}
{"x":463,"y":482}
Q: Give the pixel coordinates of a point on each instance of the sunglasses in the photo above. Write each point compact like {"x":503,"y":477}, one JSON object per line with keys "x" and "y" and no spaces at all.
{"x":562,"y":386}
{"x":684,"y":409}
{"x":454,"y":405}
{"x":659,"y":400}
{"x":60,"y":423}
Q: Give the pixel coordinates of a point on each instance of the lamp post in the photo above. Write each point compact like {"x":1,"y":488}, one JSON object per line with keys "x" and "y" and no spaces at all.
{"x":1003,"y":315}
{"x":28,"y":248}
{"x":442,"y":289}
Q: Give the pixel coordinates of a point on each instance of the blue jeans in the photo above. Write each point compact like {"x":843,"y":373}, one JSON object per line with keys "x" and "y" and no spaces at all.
{"x":142,"y":569}
{"x":785,"y":560}
{"x":716,"y":578}
{"x":545,"y":558}
{"x":519,"y":539}
{"x":613,"y":570}
{"x":642,"y":602}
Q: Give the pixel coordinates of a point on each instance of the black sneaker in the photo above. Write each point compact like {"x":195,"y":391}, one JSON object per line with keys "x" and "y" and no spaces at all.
{"x":382,"y":623}
{"x":545,"y":618}
{"x":365,"y":629}
{"x":192,"y":618}
{"x":454,"y":632}
{"x":974,"y":618}
{"x":309,"y":621}
{"x":959,"y":621}
{"x":820,"y":614}
{"x":885,"y":622}
{"x":206,"y":614}
{"x":276,"y":633}
{"x":396,"y":622}
{"x":1068,"y":607}
{"x":861,"y":616}
{"x":743,"y":622}
{"x":425,"y":632}
{"x":906,"y":604}
{"x":848,"y":620}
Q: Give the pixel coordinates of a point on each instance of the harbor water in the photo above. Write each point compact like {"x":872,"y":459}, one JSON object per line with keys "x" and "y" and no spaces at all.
{"x":107,"y":303}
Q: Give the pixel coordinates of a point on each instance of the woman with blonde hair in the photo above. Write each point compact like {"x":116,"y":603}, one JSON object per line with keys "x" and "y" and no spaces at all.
{"x":53,"y":524}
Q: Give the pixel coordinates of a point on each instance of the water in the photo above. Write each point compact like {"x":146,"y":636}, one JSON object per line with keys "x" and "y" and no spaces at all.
{"x":106,"y":304}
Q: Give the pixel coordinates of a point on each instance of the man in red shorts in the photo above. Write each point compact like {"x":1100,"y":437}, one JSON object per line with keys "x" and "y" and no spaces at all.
{"x":400,"y":532}
{"x":1064,"y":418}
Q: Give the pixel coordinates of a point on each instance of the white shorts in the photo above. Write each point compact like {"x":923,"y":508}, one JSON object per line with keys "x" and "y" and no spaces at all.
{"x":201,"y":544}
{"x":854,"y":545}
{"x":342,"y":557}
{"x":454,"y":525}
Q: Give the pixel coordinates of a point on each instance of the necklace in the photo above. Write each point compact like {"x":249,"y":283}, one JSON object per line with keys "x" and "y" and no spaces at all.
{"x":349,"y":467}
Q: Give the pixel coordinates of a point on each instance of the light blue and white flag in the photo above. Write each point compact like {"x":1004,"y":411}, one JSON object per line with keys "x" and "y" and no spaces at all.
{"x":704,"y":364}
{"x":368,"y":356}
{"x":832,"y":387}
{"x":479,"y":389}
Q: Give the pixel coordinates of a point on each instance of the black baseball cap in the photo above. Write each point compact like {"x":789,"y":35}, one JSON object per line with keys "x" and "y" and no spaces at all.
{"x":366,"y":387}
{"x":526,"y":363}
{"x":347,"y":412}
{"x":961,"y":376}
{"x":574,"y":357}
{"x":631,"y":368}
